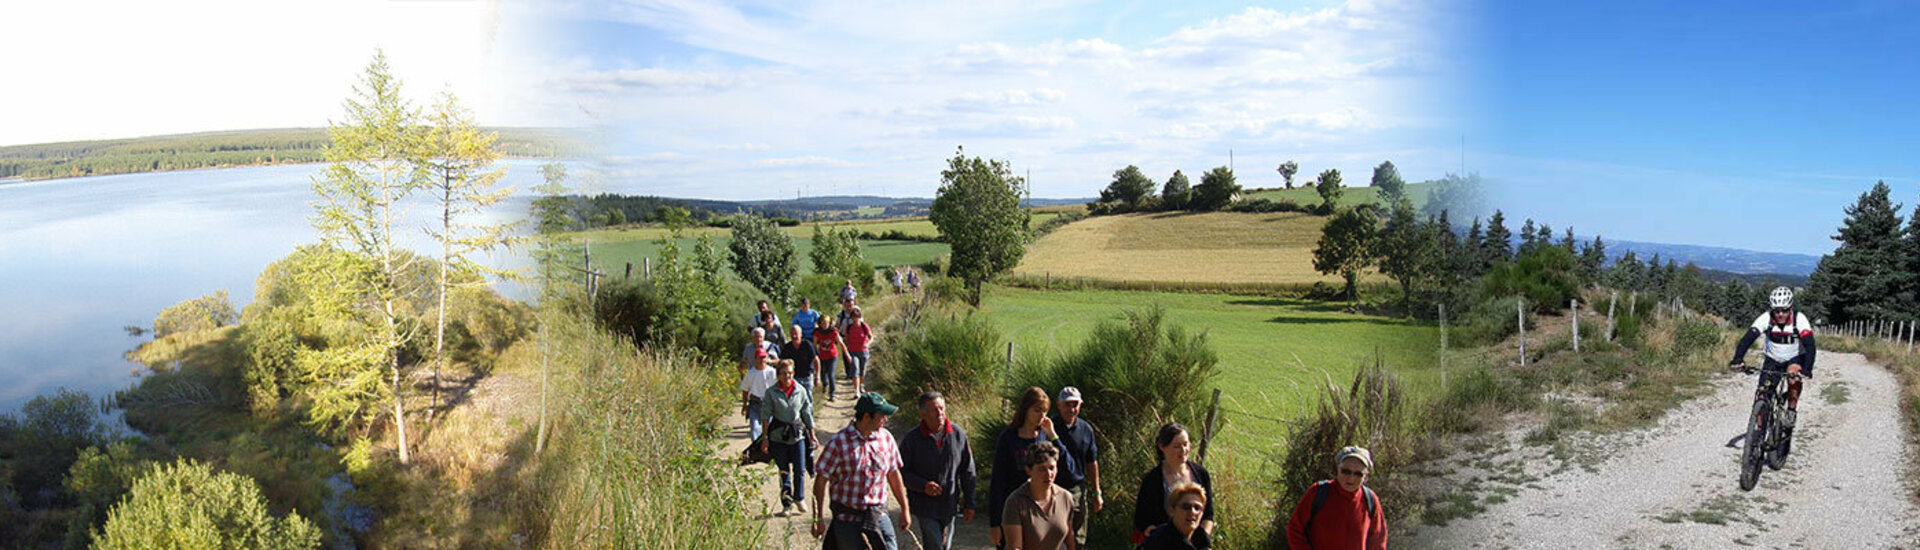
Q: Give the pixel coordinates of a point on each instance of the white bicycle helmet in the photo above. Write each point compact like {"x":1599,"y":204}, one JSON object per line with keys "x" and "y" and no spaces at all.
{"x":1780,"y":298}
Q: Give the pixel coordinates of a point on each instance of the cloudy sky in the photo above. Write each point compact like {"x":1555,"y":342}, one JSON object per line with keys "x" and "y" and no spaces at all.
{"x":92,"y":69}
{"x":1718,"y":123}
{"x":747,"y":100}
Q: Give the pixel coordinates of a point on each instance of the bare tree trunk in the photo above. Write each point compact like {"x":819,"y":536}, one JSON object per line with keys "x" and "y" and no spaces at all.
{"x":440,"y":328}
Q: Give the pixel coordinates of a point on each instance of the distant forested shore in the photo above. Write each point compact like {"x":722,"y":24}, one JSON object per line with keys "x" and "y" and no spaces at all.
{"x":219,"y":150}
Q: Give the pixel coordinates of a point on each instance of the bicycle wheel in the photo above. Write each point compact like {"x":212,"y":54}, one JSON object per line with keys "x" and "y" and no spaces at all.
{"x":1750,"y":456}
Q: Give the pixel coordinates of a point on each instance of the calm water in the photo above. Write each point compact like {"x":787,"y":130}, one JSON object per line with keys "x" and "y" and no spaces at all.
{"x":82,"y":258}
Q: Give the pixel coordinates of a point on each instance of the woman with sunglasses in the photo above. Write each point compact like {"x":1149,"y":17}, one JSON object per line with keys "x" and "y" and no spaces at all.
{"x":1186,"y":502}
{"x":1341,"y":512}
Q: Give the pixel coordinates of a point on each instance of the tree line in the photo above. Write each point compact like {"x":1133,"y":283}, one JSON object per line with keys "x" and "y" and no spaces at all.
{"x":1132,"y":191}
{"x":1874,"y":273}
{"x":217,"y":149}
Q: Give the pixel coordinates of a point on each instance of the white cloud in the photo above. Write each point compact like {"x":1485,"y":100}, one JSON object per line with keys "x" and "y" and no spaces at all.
{"x":1319,"y":86}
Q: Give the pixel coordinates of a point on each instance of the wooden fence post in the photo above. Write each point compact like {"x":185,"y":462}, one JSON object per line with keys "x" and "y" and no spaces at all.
{"x":1443,"y":347}
{"x":1520,"y":311}
{"x":1206,"y":435}
{"x":1009,"y":352}
{"x":1610,"y":302}
{"x":1575,"y":306}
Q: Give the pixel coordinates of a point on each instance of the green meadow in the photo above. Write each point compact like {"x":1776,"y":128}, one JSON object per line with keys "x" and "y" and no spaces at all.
{"x":1274,"y":353}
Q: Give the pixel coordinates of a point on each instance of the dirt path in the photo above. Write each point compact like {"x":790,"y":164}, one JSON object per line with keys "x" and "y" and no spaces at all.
{"x":1675,"y":485}
{"x":791,"y":532}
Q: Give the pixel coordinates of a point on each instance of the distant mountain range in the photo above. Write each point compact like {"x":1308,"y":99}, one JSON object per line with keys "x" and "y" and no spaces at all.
{"x":1732,"y":260}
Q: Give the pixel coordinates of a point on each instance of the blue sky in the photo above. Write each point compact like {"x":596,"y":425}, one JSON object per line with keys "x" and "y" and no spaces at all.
{"x":1734,"y":124}
{"x":748,"y":100}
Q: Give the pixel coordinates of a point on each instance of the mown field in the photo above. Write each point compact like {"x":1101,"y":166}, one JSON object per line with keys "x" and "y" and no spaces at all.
{"x":1274,"y":353}
{"x":1219,"y":247}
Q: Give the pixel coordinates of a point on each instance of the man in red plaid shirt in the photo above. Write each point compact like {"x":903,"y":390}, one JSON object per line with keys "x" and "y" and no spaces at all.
{"x":854,"y":463}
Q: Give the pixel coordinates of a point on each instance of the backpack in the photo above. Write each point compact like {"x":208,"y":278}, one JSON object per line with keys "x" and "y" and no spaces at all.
{"x":1324,"y":489}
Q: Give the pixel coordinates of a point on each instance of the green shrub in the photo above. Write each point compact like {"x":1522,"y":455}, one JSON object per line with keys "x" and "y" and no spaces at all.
{"x":1490,"y":321}
{"x":269,"y":373}
{"x":1135,"y":375}
{"x":1474,"y":398}
{"x":98,"y":479}
{"x":635,"y":309}
{"x":1372,"y":413}
{"x":960,"y":357}
{"x":43,"y":441}
{"x":203,"y":313}
{"x":189,"y":505}
{"x":485,"y":321}
{"x":1057,"y":222}
{"x":1545,"y":276}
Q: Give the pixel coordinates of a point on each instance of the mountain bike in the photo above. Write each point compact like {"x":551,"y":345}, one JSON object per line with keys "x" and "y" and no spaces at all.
{"x":1768,"y":439}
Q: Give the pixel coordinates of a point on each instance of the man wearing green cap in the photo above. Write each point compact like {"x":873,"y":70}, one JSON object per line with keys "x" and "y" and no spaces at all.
{"x":854,"y":464}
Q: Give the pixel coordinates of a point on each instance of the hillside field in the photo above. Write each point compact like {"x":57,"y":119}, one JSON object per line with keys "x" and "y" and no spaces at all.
{"x":1217,"y":247}
{"x":1304,"y":194}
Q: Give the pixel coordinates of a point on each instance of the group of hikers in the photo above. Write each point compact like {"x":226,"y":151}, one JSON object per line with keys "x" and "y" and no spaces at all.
{"x":1046,"y":479}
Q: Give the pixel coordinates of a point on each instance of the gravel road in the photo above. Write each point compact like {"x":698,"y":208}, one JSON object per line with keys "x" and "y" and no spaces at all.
{"x":1675,"y":485}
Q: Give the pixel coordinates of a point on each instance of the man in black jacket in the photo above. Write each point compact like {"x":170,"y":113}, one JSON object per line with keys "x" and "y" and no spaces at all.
{"x":938,"y":473}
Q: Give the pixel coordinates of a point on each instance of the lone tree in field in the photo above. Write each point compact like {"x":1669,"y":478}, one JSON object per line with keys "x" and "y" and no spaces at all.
{"x":1345,"y":247}
{"x":1129,"y":186}
{"x":1177,"y":192}
{"x":1386,"y":179}
{"x":1329,"y":188}
{"x":375,"y":165}
{"x":977,"y":211}
{"x":763,"y":256}
{"x":1287,"y":170}
{"x":458,"y":156}
{"x":1216,"y":190}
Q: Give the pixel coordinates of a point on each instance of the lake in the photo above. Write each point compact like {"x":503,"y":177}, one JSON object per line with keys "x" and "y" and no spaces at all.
{"x":82,"y":258}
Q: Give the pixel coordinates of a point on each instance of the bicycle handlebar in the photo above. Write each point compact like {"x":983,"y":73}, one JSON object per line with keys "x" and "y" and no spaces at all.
{"x":1750,"y":369}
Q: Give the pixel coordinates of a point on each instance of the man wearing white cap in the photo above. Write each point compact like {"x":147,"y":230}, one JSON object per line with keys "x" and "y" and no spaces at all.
{"x":1081,"y":475}
{"x":1340,"y":512}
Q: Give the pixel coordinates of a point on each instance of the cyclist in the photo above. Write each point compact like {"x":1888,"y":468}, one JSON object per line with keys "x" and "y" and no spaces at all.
{"x":1789,"y":342}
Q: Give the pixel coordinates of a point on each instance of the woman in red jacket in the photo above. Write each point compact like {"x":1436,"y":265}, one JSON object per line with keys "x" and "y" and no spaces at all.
{"x":1340,"y":513}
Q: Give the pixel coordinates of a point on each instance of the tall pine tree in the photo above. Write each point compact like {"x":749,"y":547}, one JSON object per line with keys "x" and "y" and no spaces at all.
{"x":1864,"y":276}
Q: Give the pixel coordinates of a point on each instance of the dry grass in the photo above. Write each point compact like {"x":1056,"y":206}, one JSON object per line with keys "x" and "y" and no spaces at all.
{"x":1215,"y":248}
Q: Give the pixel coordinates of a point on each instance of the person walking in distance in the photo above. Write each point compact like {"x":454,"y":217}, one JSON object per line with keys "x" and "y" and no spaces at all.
{"x":753,"y":389}
{"x":765,"y":320}
{"x":858,"y":463}
{"x":806,"y":359}
{"x":1150,"y":510}
{"x":788,"y":408}
{"x":757,"y":344}
{"x":827,"y":344}
{"x":938,"y":473}
{"x":847,"y":293}
{"x":1029,"y":425}
{"x":1340,"y":513}
{"x":857,"y":335}
{"x":1081,"y":475}
{"x":806,"y":318}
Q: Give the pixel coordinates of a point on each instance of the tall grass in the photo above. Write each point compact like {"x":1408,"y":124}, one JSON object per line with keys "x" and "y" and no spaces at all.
{"x":956,"y":356}
{"x":632,"y":451}
{"x":1136,"y":375}
{"x":1372,"y":412}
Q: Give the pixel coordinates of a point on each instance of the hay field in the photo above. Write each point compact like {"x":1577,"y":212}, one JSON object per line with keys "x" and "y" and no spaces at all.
{"x":1218,"y":247}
